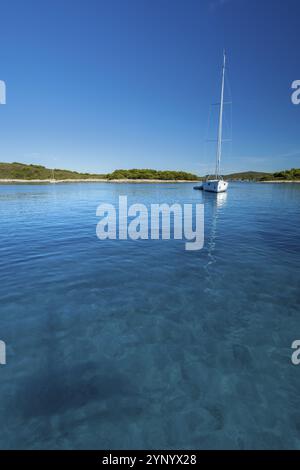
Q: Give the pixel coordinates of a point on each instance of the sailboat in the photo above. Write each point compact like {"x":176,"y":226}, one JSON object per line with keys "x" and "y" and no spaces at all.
{"x":217,"y":184}
{"x":52,"y":180}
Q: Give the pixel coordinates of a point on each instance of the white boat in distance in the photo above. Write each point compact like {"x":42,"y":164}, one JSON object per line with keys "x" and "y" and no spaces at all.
{"x":217,"y":185}
{"x":52,"y":180}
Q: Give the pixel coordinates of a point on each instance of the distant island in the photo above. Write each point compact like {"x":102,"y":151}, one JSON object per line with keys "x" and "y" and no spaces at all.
{"x":262,"y":177}
{"x":19,"y":172}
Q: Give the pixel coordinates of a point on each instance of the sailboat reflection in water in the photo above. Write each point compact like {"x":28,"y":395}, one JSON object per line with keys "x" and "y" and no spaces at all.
{"x":215,"y":202}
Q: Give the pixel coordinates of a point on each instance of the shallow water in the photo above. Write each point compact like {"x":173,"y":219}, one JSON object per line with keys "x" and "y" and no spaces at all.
{"x":141,"y":344}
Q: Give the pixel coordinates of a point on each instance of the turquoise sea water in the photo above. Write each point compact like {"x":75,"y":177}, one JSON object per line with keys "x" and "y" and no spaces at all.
{"x":141,"y":344}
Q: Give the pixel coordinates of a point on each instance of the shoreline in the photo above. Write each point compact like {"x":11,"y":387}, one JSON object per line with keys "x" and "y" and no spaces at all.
{"x":93,"y":180}
{"x":279,"y":182}
{"x":124,"y":181}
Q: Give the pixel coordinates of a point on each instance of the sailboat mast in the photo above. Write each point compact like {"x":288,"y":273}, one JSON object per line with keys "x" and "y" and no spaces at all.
{"x":219,"y":145}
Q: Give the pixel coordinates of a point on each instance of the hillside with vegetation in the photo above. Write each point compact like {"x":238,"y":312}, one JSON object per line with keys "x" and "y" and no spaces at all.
{"x":285,"y":175}
{"x":247,"y":176}
{"x":20,"y":171}
{"x":38,"y":172}
{"x":149,"y":174}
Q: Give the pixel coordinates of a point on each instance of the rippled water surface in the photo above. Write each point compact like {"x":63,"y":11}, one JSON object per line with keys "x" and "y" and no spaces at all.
{"x":142,"y":344}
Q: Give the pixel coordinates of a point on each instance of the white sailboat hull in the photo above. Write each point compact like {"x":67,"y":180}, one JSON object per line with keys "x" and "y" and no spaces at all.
{"x":215,"y":186}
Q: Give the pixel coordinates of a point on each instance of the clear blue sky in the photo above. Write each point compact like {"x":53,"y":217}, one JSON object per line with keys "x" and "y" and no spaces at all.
{"x":96,"y":85}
